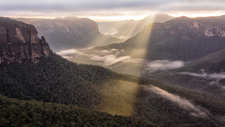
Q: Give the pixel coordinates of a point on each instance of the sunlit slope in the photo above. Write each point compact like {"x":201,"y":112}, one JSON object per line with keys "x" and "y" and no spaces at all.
{"x":57,"y":80}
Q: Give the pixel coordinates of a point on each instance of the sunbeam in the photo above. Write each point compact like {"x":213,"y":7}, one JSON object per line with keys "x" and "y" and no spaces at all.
{"x":119,"y":97}
{"x":137,"y":49}
{"x":122,"y":96}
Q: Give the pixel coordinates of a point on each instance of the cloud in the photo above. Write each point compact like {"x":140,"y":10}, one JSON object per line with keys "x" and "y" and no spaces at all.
{"x":69,"y":52}
{"x":183,"y":103}
{"x":163,"y":65}
{"x":149,"y":67}
{"x":104,"y":57}
{"x":109,"y":59}
{"x":104,"y":8}
{"x":111,"y":32}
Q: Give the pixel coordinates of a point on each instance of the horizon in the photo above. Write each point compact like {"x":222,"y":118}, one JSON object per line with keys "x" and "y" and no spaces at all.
{"x":118,"y":10}
{"x":115,"y":19}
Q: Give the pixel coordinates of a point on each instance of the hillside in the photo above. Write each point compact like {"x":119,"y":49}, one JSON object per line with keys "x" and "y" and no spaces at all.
{"x":16,"y":112}
{"x":57,"y":80}
{"x":129,"y":28}
{"x":205,"y":74}
{"x":178,"y":39}
{"x":62,"y":86}
{"x":68,"y":33}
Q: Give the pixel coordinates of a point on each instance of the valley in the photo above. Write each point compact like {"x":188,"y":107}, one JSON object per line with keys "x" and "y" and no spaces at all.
{"x":168,"y":74}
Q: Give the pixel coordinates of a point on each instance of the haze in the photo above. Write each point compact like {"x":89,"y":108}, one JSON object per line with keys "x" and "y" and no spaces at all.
{"x":102,"y":10}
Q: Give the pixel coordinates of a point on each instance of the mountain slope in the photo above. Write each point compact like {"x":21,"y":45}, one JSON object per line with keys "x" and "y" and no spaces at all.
{"x":205,"y":74}
{"x":32,"y":113}
{"x":129,"y":28}
{"x":57,"y":80}
{"x":67,"y":33}
{"x":178,"y":39}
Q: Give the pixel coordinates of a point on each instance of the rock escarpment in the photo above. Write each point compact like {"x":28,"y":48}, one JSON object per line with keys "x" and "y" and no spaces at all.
{"x":19,"y":43}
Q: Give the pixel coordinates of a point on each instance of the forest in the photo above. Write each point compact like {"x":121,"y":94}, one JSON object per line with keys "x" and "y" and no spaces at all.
{"x":72,"y":87}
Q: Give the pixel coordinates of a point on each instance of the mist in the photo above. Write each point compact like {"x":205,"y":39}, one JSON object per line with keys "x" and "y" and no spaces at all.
{"x":69,"y":52}
{"x":183,"y":103}
{"x":108,"y":58}
{"x":102,"y":58}
{"x":205,"y":75}
{"x":111,"y":32}
{"x":163,"y":65}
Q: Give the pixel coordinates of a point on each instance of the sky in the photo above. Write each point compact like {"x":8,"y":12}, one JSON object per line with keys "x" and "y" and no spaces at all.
{"x":108,"y":10}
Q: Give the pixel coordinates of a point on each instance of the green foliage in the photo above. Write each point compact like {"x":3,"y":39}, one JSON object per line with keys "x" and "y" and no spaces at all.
{"x":15,"y":113}
{"x":54,"y":80}
{"x":57,"y":80}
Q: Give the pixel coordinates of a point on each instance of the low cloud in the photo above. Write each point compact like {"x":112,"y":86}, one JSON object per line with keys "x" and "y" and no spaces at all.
{"x":112,"y":31}
{"x":105,"y":57}
{"x":109,"y":59}
{"x":112,"y":56}
{"x":69,"y":52}
{"x":183,"y":103}
{"x":205,"y":75}
{"x":163,"y":65}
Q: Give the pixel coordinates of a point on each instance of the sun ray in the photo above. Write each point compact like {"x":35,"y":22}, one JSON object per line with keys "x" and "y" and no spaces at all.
{"x":123,"y":94}
{"x":119,"y":97}
{"x":137,"y":51}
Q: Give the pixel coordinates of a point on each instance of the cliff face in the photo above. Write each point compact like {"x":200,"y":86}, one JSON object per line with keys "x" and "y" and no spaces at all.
{"x":19,"y":43}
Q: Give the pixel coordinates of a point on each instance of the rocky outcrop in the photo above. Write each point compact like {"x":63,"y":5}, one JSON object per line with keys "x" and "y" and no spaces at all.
{"x":19,"y":43}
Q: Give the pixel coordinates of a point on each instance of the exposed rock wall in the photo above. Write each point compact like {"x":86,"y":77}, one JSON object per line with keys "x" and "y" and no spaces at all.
{"x":19,"y":43}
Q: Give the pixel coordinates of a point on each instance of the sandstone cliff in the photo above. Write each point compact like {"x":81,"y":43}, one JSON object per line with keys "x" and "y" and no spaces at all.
{"x":19,"y":43}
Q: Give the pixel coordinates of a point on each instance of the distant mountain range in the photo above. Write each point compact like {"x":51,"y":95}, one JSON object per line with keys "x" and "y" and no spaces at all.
{"x":70,"y":32}
{"x":194,"y":47}
{"x":178,"y":39}
{"x":129,"y":28}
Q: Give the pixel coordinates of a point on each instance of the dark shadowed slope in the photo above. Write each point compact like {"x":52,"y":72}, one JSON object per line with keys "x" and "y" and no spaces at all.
{"x":204,"y":74}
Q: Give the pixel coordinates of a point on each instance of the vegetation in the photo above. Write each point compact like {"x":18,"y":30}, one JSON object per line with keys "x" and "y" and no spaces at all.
{"x":57,"y":80}
{"x":15,"y":113}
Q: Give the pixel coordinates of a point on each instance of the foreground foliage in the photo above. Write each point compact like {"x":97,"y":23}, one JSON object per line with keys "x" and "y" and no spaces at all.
{"x":15,"y":113}
{"x":57,"y":80}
